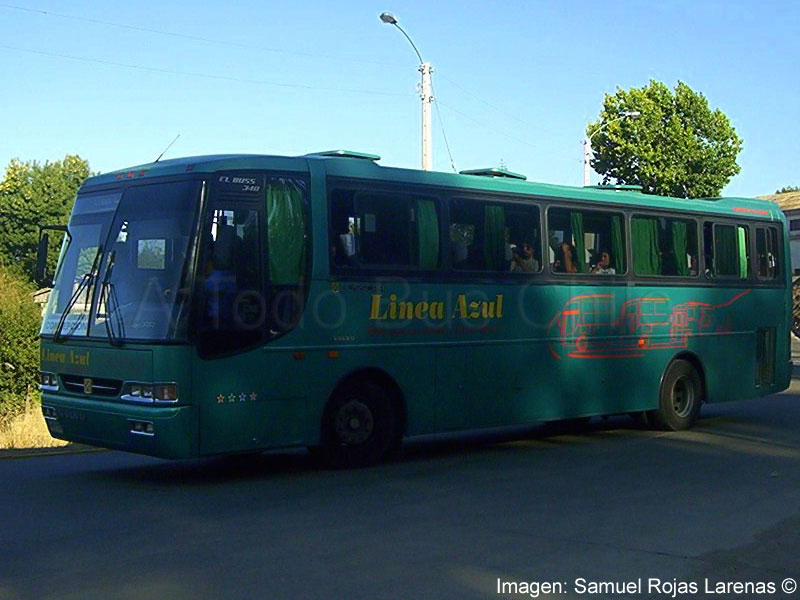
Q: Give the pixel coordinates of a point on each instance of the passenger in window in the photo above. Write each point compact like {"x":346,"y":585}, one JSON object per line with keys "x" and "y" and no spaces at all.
{"x":565,"y":261}
{"x":603,"y":267}
{"x":525,"y":263}
{"x":219,"y":286}
{"x":692,"y":264}
{"x":510,"y":252}
{"x":460,"y":253}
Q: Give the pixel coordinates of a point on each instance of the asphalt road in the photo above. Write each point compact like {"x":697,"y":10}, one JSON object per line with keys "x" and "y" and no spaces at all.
{"x":613,"y":504}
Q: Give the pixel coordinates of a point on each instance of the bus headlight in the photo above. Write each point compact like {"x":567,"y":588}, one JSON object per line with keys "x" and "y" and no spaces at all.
{"x":47,"y":381}
{"x":150,"y":392}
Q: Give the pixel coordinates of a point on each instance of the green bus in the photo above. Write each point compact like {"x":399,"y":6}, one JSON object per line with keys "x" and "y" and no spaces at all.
{"x":237,"y":303}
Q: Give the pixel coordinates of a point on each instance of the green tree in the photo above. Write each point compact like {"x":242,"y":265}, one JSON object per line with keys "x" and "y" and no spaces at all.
{"x":33,"y":194}
{"x":19,"y":344}
{"x":678,"y":146}
{"x":787,"y":189}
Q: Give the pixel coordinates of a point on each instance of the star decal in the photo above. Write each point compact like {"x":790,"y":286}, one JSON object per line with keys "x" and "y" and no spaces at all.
{"x":253,"y":397}
{"x":220,"y":399}
{"x":231,"y":397}
{"x":242,"y":397}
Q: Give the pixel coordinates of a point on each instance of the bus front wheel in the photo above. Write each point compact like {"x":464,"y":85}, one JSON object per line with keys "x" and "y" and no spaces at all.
{"x":679,"y":398}
{"x":358,"y":425}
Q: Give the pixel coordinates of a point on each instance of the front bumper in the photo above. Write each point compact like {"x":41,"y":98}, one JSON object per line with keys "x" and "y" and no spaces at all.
{"x":111,"y":425}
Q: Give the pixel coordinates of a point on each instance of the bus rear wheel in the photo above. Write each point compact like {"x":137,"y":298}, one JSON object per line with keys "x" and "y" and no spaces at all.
{"x":359,"y":426}
{"x":679,"y":398}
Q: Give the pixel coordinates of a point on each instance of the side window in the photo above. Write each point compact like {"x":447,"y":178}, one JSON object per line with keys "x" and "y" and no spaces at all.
{"x":371,"y":229}
{"x":767,"y":253}
{"x":489,"y":236}
{"x":726,"y":250}
{"x":664,"y":246}
{"x":586,"y":241}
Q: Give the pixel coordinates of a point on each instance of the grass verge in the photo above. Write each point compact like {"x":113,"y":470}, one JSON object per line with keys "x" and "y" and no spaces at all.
{"x":27,"y":430}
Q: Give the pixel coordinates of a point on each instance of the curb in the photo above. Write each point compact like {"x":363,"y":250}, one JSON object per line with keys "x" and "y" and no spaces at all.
{"x":15,"y":453}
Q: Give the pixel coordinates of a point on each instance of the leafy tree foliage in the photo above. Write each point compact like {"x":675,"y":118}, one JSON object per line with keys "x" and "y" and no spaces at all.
{"x":787,"y":189}
{"x":19,"y":346}
{"x":33,"y":194}
{"x":678,"y":146}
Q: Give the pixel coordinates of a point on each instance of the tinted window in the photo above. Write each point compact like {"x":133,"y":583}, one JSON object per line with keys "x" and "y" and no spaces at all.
{"x":664,"y":246}
{"x":767,"y":252}
{"x":374,"y":229}
{"x":586,"y":241}
{"x":726,"y":250}
{"x":489,"y":236}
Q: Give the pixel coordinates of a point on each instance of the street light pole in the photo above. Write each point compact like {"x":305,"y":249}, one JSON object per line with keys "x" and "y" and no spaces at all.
{"x":587,"y":142}
{"x":426,"y":95}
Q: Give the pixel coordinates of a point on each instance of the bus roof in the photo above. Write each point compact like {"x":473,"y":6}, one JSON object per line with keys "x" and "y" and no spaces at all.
{"x":353,"y":165}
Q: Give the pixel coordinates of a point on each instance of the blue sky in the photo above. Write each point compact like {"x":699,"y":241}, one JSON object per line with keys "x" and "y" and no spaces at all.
{"x":517,"y":82}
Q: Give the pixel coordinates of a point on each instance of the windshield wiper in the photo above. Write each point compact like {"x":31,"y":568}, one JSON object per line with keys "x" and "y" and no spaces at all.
{"x":108,"y":292}
{"x":86,"y":281}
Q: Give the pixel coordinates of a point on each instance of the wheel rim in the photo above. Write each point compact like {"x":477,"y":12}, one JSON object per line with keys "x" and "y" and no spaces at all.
{"x":354,"y":422}
{"x":683,"y":395}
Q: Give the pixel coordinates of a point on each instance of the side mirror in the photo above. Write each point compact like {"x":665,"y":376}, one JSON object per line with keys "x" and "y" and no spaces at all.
{"x":41,"y":257}
{"x":41,"y":252}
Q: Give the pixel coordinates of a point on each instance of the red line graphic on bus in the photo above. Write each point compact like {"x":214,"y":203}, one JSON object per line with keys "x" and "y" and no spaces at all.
{"x":590,"y":326}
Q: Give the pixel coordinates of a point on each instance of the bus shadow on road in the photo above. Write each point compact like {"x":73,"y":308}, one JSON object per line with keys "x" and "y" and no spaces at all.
{"x":283,"y":463}
{"x":738,"y":428}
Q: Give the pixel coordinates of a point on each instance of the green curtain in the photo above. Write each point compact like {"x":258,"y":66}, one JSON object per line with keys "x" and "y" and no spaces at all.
{"x":742,"y":252}
{"x":680,"y":247}
{"x":427,"y":235}
{"x":286,"y":231}
{"x":726,"y":254}
{"x":576,"y":219}
{"x":646,"y":254}
{"x":617,"y":247}
{"x":494,"y":242}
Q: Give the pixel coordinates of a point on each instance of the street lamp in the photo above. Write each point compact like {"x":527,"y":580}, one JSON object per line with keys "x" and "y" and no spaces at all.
{"x":426,"y":96}
{"x":587,"y":141}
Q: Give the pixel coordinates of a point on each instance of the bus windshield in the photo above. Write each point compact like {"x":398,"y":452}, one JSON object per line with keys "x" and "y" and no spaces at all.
{"x":123,"y":271}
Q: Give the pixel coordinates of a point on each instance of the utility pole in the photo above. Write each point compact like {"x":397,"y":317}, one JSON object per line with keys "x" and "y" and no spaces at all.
{"x":426,"y":95}
{"x":427,"y":135}
{"x":587,"y":156}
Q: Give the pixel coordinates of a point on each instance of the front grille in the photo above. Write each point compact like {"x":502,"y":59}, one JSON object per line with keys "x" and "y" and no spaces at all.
{"x":100,"y":386}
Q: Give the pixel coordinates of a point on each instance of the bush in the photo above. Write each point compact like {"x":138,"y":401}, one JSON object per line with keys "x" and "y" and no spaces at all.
{"x":20,"y":318}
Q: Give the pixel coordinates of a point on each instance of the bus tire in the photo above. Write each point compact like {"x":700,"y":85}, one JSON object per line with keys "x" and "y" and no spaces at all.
{"x":679,"y":398}
{"x":358,"y":426}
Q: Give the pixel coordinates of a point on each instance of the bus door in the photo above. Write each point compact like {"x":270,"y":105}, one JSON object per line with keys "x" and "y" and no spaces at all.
{"x":246,"y":399}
